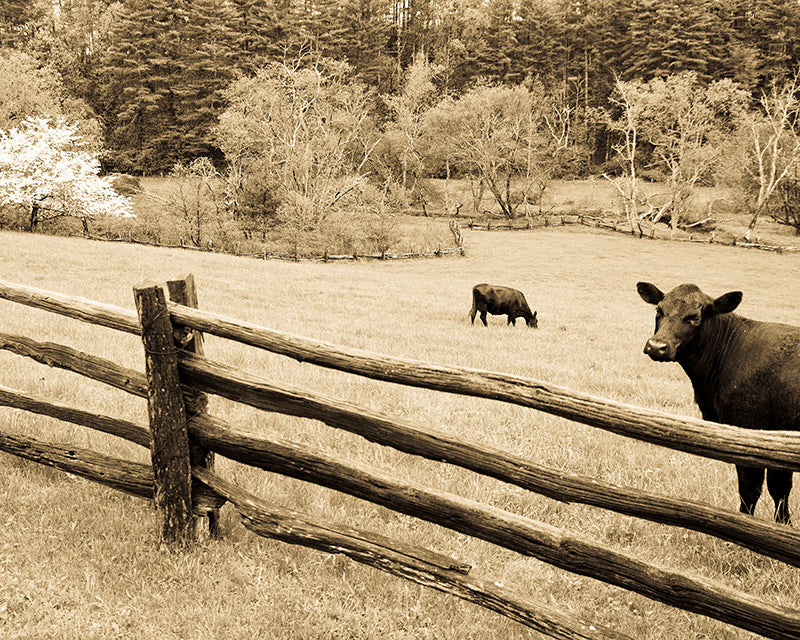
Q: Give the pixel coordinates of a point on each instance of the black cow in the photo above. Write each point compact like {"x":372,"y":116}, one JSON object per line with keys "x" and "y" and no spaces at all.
{"x":488,"y":298}
{"x":744,"y":373}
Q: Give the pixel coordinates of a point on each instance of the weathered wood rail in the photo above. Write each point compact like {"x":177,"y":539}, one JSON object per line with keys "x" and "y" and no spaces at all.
{"x":182,"y":482}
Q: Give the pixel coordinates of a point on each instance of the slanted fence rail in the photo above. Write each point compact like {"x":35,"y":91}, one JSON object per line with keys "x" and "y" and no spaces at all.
{"x":183,"y":438}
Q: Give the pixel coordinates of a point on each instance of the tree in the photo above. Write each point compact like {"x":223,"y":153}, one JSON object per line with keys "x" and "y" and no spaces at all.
{"x":308,"y":125}
{"x":208,"y":58}
{"x":70,"y":39}
{"x":688,"y":125}
{"x":28,"y":90}
{"x":199,"y":198}
{"x":143,"y":67}
{"x":19,"y":21}
{"x":494,"y":134}
{"x":765,"y":40}
{"x":673,"y":37}
{"x":499,"y":55}
{"x":408,"y":106}
{"x":45,"y":169}
{"x":262,"y":30}
{"x":360,"y":37}
{"x":625,"y":122}
{"x":534,"y":24}
{"x":166,"y":68}
{"x":774,"y":149}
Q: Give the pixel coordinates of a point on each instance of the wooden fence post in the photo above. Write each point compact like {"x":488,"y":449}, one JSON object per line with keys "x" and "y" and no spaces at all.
{"x":185,"y":292}
{"x":172,"y":474}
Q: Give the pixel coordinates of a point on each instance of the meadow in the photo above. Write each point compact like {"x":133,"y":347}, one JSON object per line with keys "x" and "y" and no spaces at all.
{"x":81,"y":561}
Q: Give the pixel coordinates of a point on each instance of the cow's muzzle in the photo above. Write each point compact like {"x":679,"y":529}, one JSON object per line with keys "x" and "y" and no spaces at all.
{"x":659,"y":350}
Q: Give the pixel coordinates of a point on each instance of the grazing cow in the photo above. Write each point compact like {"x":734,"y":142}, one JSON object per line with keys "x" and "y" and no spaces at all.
{"x":487,"y":298}
{"x":744,"y":373}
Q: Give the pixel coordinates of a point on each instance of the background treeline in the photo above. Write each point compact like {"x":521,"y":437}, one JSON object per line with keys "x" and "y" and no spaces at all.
{"x":154,"y":71}
{"x":316,"y":123}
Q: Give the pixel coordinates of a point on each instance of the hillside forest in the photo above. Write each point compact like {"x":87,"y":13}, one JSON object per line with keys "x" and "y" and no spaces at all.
{"x":330,"y":117}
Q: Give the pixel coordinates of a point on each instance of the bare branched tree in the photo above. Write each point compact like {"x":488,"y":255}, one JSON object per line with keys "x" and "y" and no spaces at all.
{"x":498,"y":137}
{"x":774,"y":143}
{"x":627,"y":124}
{"x":307,"y":123}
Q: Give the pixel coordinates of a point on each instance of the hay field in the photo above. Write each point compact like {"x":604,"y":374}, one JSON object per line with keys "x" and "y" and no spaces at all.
{"x":79,"y":561}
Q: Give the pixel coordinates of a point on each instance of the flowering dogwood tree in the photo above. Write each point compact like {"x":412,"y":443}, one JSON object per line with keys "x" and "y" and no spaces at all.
{"x":45,"y":168}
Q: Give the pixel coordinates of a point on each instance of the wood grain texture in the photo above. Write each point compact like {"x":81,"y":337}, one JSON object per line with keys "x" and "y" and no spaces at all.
{"x":778,"y":541}
{"x":562,"y":549}
{"x":169,"y":447}
{"x":131,"y":477}
{"x":404,"y":560}
{"x":777,"y":449}
{"x":35,"y":404}
{"x":63,"y":357}
{"x":184,"y":291}
{"x":105,"y":315}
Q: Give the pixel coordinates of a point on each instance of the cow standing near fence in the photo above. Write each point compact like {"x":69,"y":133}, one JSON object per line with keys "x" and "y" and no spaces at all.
{"x":501,"y":301}
{"x":744,"y":372}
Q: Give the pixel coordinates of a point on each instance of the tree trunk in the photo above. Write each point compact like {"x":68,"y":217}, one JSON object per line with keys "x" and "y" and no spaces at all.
{"x":33,"y":222}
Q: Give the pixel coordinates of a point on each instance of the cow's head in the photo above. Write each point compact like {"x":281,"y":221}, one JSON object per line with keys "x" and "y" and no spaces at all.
{"x":533,"y":322}
{"x":679,"y":315}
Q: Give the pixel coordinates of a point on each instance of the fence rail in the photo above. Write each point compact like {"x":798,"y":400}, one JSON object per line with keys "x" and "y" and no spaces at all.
{"x":637,"y":227}
{"x":195,"y":375}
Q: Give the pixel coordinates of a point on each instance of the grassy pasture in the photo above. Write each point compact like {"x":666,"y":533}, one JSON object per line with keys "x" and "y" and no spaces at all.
{"x":80,"y":561}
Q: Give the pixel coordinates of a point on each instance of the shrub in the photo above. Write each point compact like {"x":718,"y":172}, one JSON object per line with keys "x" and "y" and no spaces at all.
{"x":789,"y":211}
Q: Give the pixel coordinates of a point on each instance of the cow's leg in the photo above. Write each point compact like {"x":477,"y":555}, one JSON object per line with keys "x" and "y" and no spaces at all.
{"x":750,"y":481}
{"x":512,"y":321}
{"x":483,"y":318}
{"x":779,"y":484}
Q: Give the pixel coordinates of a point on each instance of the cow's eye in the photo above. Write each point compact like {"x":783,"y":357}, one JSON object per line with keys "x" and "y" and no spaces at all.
{"x":693,"y":319}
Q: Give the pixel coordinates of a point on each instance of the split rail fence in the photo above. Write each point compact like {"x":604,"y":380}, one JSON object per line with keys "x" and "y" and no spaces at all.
{"x":638,"y":228}
{"x":183,"y":439}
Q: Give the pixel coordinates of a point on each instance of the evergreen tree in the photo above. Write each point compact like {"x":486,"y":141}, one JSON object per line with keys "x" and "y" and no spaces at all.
{"x":262,"y":31}
{"x":460,"y":42}
{"x":166,"y":68}
{"x":448,"y":47}
{"x":535,"y":24}
{"x":499,"y":56}
{"x":361,"y":37}
{"x":144,"y":64}
{"x":673,"y":37}
{"x":741,"y":60}
{"x":773,"y":30}
{"x":209,"y":52}
{"x":315,"y":25}
{"x":608,"y":26}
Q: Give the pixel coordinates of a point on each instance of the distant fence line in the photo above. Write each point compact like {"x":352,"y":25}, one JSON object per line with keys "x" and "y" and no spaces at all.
{"x":183,"y":437}
{"x":296,"y":256}
{"x":643,"y":229}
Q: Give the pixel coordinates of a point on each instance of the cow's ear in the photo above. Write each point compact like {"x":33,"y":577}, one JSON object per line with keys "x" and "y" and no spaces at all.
{"x":534,"y":313}
{"x":650,"y":293}
{"x":726,"y":302}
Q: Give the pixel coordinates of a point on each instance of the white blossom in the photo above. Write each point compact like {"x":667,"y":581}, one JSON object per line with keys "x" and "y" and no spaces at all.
{"x":44,"y":164}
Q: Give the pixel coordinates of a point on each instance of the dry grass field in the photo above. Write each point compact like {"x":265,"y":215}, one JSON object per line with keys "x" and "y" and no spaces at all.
{"x":80,"y":561}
